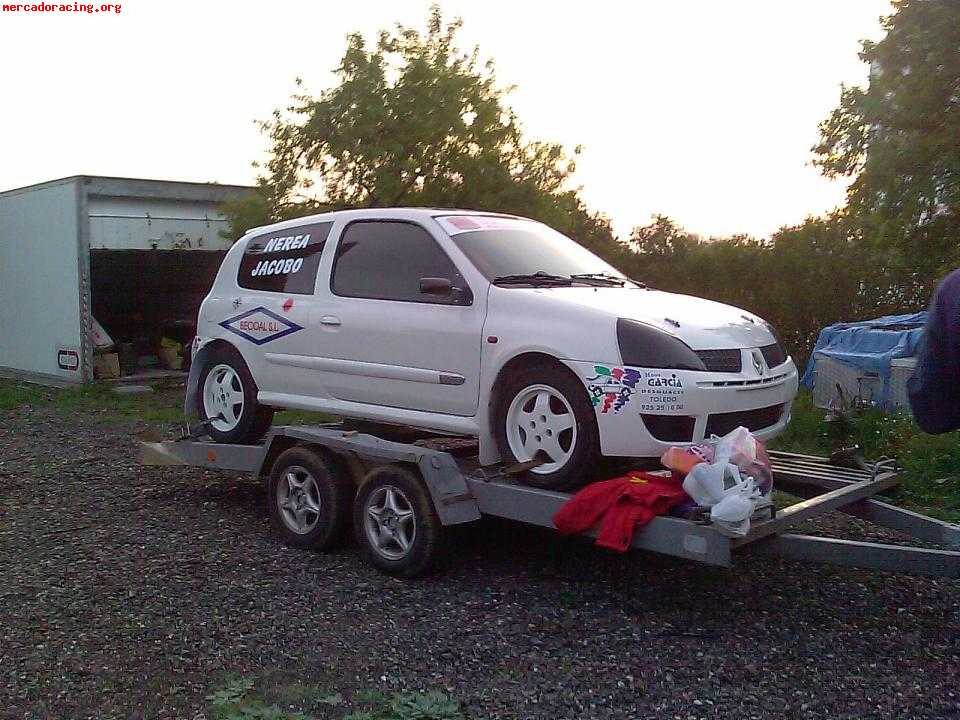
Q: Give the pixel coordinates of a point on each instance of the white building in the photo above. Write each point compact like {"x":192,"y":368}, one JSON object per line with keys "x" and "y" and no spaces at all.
{"x":139,"y":255}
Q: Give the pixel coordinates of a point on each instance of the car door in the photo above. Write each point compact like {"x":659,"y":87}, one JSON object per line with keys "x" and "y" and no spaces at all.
{"x":273,"y":309}
{"x":390,"y":343}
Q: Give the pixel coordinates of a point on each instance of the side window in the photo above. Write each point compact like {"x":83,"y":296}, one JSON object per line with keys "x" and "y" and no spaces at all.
{"x":386,"y":260}
{"x":284,"y":261}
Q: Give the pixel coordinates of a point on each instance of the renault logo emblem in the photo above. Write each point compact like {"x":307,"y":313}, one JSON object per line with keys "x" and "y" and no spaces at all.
{"x":758,"y":362}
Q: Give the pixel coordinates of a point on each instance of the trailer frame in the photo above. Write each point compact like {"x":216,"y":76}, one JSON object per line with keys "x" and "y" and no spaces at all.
{"x":462,"y":491}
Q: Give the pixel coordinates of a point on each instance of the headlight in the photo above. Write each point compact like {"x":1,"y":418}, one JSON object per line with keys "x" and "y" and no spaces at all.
{"x":646,"y":346}
{"x":776,"y":336}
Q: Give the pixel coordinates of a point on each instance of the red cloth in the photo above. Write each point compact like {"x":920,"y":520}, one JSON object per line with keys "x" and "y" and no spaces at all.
{"x":620,"y":506}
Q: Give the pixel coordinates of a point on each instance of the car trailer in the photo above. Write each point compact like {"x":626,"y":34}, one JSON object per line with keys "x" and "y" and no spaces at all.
{"x":401,"y":493}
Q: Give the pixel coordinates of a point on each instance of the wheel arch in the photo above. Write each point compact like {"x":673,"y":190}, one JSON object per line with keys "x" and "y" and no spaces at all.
{"x":518,"y":362}
{"x":191,"y":403}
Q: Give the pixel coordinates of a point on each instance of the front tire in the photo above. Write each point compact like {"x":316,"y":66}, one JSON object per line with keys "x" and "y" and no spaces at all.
{"x":543,"y":413}
{"x":228,"y":399}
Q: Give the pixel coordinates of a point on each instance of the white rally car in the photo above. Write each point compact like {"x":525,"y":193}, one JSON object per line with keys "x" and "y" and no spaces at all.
{"x":477,"y":324}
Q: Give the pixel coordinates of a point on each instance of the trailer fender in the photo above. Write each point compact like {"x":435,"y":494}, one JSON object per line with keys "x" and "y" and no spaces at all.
{"x":451,"y":495}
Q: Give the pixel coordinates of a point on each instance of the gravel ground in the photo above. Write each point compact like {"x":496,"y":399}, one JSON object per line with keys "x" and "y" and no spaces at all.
{"x":129,"y":592}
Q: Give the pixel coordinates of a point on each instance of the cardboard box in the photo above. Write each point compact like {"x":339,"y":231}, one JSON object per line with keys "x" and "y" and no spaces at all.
{"x":106,"y":365}
{"x":170,"y":359}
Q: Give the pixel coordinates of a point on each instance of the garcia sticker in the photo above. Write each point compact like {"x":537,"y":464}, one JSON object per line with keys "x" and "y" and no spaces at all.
{"x":611,"y":388}
{"x":260,"y":326}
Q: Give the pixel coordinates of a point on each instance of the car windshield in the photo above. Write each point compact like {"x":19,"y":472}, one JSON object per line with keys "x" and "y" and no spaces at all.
{"x":505,"y":248}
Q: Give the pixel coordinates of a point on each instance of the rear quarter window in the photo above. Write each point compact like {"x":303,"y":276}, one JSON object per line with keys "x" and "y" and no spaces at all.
{"x":284,"y":261}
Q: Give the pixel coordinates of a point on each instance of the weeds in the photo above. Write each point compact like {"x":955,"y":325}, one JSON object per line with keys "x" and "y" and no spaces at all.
{"x":406,"y":706}
{"x":931,"y":476}
{"x":242,"y":699}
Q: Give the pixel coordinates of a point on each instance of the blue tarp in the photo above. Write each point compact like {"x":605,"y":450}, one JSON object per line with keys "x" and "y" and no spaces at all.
{"x":869,"y":345}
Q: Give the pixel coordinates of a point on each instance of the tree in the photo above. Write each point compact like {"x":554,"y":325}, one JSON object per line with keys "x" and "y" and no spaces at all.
{"x":414,"y":121}
{"x":900,"y":138}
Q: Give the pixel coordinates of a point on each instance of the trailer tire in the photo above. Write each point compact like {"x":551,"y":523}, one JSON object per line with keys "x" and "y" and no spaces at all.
{"x":396,"y":524}
{"x":228,"y":370}
{"x":309,"y":499}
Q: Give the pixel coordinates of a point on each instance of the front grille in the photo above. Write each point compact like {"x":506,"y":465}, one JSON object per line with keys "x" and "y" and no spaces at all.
{"x":670,"y":428}
{"x":753,"y":420}
{"x":720,"y":360}
{"x":774,"y":355}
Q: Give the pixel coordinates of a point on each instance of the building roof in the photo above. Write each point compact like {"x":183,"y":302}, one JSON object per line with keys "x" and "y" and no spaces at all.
{"x":105,"y":186}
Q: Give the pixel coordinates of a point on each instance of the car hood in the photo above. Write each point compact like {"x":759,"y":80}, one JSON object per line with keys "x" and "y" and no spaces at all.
{"x":701,"y":324}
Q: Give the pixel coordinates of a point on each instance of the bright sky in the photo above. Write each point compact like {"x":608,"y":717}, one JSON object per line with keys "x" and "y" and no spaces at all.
{"x":702,"y":110}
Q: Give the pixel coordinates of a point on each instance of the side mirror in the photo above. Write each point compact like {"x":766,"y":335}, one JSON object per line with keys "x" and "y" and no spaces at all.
{"x":443,"y":287}
{"x":436,"y":286}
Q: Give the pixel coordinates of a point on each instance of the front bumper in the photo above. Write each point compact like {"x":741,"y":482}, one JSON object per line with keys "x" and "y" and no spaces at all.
{"x":641,"y":412}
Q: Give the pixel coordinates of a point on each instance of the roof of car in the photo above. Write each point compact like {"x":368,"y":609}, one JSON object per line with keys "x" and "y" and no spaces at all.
{"x":394,"y":213}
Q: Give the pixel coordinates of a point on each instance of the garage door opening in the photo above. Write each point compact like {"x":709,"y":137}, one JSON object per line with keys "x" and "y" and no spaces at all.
{"x":147,"y":302}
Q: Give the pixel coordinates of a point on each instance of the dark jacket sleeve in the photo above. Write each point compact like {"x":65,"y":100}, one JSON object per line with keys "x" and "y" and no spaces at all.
{"x":934,"y":388}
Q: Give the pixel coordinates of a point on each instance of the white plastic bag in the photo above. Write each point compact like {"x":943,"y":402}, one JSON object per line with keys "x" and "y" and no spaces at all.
{"x":731,"y":498}
{"x":732,"y":514}
{"x":706,"y":484}
{"x":738,"y":446}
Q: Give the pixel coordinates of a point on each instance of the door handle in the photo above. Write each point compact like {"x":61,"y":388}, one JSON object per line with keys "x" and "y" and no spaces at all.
{"x":329,"y":320}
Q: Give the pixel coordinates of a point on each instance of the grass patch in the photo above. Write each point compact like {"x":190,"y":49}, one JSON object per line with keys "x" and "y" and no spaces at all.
{"x":931,"y":477}
{"x":161,"y":407}
{"x":245,"y":699}
{"x":301,"y":417}
{"x":14,"y":394}
{"x":164,"y":406}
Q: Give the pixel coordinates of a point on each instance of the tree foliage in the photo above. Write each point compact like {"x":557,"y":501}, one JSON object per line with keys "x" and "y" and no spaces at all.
{"x":803,"y":278}
{"x":899,"y":138}
{"x":414,"y":121}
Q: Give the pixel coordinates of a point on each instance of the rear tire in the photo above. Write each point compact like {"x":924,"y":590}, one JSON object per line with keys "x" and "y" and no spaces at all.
{"x":396,"y":524}
{"x":309,"y":499}
{"x":228,"y":398}
{"x":544,"y":413}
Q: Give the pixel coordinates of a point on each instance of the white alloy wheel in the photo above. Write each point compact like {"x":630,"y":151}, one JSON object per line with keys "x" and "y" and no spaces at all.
{"x":390,"y":522}
{"x":223,"y":397}
{"x":298,"y":499}
{"x":541,"y":426}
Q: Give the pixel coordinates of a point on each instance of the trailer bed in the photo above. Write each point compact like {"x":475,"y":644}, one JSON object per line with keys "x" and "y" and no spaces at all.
{"x":462,"y":491}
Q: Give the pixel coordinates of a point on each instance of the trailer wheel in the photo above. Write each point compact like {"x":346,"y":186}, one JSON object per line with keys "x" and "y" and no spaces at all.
{"x":396,"y":524}
{"x":309,"y":499}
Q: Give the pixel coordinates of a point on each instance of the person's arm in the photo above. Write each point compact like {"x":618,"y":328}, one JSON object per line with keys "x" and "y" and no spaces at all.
{"x":934,"y":388}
